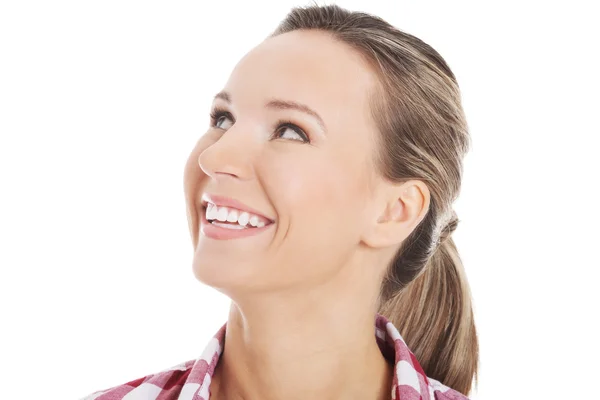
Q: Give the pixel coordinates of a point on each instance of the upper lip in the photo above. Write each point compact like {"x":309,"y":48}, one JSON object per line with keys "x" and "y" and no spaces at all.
{"x":230,"y":202}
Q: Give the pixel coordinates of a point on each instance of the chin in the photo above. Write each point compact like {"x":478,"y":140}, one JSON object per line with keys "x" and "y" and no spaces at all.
{"x":223,"y":273}
{"x":211,"y":277}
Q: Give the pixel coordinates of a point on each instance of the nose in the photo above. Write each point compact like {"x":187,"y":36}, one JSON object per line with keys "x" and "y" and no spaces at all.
{"x":231,"y":155}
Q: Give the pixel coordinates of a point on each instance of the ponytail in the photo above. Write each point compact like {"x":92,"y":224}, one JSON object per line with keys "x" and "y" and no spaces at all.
{"x":433,"y":311}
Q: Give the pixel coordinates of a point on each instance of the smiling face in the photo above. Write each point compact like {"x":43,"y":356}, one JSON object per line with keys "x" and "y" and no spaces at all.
{"x":292,"y":141}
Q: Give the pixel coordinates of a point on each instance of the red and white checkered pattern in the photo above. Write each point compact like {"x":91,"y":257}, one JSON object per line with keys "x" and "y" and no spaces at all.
{"x":190,"y":380}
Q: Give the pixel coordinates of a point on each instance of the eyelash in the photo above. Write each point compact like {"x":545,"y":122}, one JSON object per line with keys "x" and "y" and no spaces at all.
{"x":282,"y":123}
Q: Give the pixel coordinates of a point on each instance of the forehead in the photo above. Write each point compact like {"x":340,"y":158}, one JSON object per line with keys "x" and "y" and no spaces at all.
{"x":308,"y":67}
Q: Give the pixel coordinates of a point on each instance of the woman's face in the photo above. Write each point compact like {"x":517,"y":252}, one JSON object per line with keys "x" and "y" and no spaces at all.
{"x":292,"y":140}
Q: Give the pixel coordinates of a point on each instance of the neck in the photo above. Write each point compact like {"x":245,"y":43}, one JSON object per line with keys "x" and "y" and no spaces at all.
{"x":305,"y":349}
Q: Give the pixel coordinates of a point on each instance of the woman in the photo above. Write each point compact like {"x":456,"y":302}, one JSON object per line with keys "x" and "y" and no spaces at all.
{"x":320,"y":201}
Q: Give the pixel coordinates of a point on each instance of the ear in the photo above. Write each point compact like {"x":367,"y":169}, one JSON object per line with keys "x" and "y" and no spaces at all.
{"x":399,"y":209}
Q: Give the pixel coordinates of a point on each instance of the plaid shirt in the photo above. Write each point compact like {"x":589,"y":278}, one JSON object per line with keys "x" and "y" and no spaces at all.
{"x":190,"y":380}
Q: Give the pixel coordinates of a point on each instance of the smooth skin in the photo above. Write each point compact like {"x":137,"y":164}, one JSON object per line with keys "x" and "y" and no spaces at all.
{"x":304,"y":292}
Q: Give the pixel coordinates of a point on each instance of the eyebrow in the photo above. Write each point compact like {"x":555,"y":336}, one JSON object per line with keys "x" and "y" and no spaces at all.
{"x":279,"y":104}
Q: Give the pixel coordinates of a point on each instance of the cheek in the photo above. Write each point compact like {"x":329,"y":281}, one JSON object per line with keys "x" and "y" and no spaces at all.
{"x":321,"y":193}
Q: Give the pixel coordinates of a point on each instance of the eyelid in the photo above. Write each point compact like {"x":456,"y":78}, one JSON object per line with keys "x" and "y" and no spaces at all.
{"x":218,"y":111}
{"x":286,"y":123}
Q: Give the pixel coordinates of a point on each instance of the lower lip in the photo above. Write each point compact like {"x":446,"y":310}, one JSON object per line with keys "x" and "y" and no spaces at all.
{"x":216,"y":232}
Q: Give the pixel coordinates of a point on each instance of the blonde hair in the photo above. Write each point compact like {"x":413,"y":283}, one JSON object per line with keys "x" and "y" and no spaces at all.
{"x":423,"y":135}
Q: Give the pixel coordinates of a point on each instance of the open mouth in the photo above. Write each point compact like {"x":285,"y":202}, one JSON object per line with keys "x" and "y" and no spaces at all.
{"x":232,"y":218}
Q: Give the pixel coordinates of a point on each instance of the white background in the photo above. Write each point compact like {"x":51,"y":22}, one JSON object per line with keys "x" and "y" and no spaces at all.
{"x":101,"y":103}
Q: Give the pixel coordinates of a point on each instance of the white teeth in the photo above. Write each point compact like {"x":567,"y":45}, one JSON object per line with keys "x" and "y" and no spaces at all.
{"x":232,"y":216}
{"x":243,"y":218}
{"x":211,"y":211}
{"x":228,"y":226}
{"x":216,"y":213}
{"x":222,"y":214}
{"x":254,"y":220}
